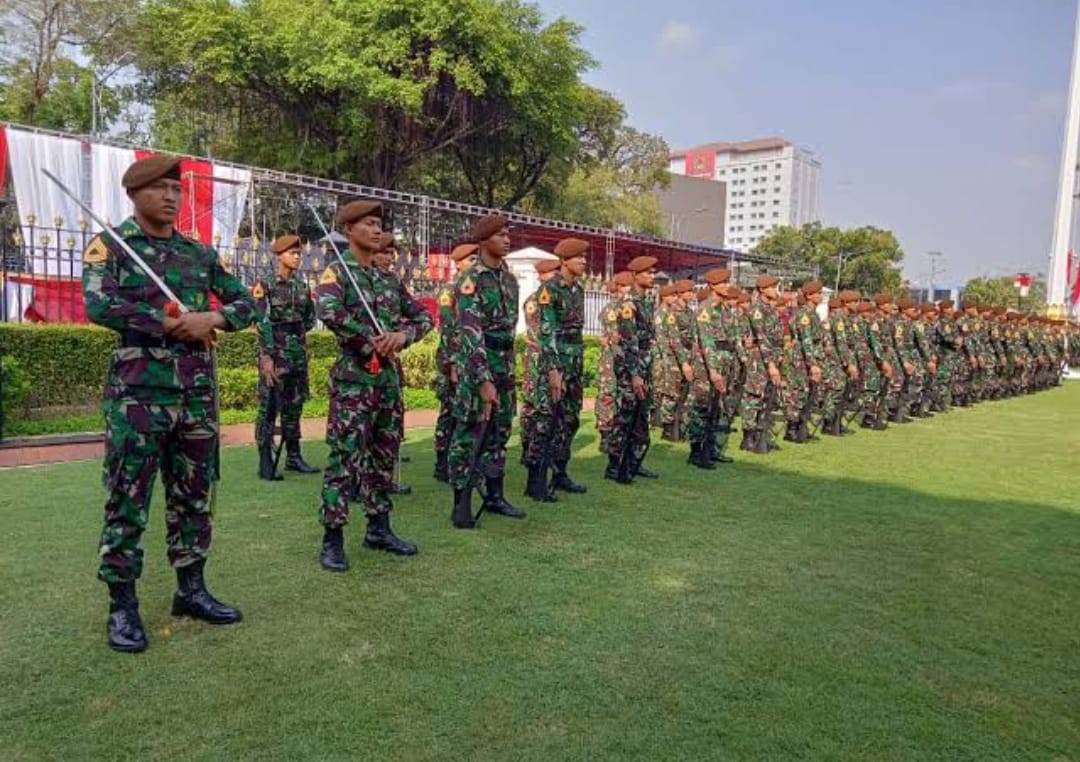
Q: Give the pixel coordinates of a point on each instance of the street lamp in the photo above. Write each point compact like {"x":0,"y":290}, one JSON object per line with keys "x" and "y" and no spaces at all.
{"x":933,"y":273}
{"x":96,"y":83}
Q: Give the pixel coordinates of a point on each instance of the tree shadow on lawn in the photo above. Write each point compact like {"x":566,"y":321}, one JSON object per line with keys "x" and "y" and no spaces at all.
{"x":750,"y":611}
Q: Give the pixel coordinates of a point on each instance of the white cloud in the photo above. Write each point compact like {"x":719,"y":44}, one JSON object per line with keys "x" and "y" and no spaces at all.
{"x":677,"y":35}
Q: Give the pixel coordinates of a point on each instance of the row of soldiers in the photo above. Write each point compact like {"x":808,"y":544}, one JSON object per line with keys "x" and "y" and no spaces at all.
{"x":722,"y":351}
{"x":157,"y":289}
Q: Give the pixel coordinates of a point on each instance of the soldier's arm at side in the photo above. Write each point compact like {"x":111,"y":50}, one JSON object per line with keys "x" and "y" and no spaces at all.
{"x":549,"y":326}
{"x":309,"y":308}
{"x":416,"y":320}
{"x":471,"y":356}
{"x":237,"y":303}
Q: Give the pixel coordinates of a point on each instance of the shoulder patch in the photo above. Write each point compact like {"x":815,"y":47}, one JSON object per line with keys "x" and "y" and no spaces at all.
{"x":257,"y":290}
{"x":545,"y":296}
{"x":804,"y":320}
{"x":468,"y":287}
{"x":445,"y":300}
{"x":671,"y":320}
{"x":703,"y":316}
{"x":530,"y":308}
{"x":628,"y":311}
{"x":874,"y":326}
{"x":611,"y":315}
{"x":329,"y":276}
{"x":839,"y":325}
{"x":96,"y":253}
{"x":757,"y":314}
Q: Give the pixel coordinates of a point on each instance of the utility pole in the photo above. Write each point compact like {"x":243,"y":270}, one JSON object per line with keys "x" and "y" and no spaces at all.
{"x":933,"y":272}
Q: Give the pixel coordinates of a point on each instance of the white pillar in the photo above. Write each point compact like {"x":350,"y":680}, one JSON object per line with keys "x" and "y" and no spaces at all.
{"x":523,"y":265}
{"x":1057,"y":281}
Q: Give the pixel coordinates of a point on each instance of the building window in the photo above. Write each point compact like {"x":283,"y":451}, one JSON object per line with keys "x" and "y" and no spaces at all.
{"x":776,"y":190}
{"x":776,"y":177}
{"x":776,"y":214}
{"x":779,"y":165}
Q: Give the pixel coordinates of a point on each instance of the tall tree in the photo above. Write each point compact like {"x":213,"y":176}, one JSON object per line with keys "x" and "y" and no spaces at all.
{"x":866,"y":258}
{"x":1002,"y":292}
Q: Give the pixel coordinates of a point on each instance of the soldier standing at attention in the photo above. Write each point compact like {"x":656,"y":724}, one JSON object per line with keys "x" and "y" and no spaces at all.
{"x":361,"y":430}
{"x":763,"y":369}
{"x":446,"y":384}
{"x":286,"y":313}
{"x":486,"y":296}
{"x":160,"y":397}
{"x":644,"y":270}
{"x":530,"y":381}
{"x":670,"y":358}
{"x":715,"y":379}
{"x":557,"y":413}
{"x":621,"y":386}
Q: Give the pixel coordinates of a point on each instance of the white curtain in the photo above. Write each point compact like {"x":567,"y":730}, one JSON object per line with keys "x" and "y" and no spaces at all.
{"x":108,"y":198}
{"x":35,"y":194}
{"x":231,"y":186}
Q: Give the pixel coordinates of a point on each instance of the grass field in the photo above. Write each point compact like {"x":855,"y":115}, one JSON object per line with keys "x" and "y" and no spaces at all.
{"x":910,"y":595}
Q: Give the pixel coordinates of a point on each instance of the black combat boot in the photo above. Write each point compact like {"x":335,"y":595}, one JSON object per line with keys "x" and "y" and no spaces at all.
{"x":333,"y":550}
{"x":397,"y":488}
{"x":804,"y":431}
{"x":749,"y":440}
{"x":266,"y":463}
{"x":791,"y":433}
{"x":668,"y":433}
{"x":700,"y":456}
{"x":561,"y":480}
{"x":495,"y":501}
{"x":126,"y":633}
{"x":537,"y":486}
{"x":613,"y":472}
{"x":294,"y":461}
{"x":380,"y":536}
{"x":763,"y":444}
{"x":461,"y":515}
{"x":194,"y":600}
{"x":442,"y":466}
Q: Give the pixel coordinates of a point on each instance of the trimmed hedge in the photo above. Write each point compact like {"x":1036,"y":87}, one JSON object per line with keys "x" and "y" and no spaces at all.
{"x":66,"y":365}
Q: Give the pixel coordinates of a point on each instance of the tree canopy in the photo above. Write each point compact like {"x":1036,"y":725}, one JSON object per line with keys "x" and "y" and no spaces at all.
{"x":1002,"y":292}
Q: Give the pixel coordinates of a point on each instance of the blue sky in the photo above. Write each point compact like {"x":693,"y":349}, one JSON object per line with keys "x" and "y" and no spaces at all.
{"x":942,"y":120}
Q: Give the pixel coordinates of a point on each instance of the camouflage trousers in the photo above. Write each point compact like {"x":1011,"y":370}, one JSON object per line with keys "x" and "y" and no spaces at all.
{"x":872,"y":381}
{"x":444,"y":424}
{"x":831,"y":391}
{"x":529,"y":380}
{"x":893,"y":388}
{"x":469,"y":427}
{"x":285,"y":399}
{"x":622,"y":425}
{"x":142,"y":438}
{"x":705,"y":409}
{"x":755,"y":384}
{"x":796,"y":387}
{"x":363,"y":435}
{"x":673,"y":391}
{"x":557,"y":421}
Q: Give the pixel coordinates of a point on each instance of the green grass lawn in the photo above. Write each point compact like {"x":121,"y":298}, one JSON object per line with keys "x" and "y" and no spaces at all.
{"x":908,"y":595}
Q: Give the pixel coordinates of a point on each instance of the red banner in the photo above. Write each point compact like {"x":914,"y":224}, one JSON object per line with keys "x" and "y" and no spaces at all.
{"x":53,"y":301}
{"x":700,"y":163}
{"x":3,"y":159}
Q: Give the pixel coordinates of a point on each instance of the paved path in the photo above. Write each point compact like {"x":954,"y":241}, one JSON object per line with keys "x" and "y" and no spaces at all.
{"x":35,"y":451}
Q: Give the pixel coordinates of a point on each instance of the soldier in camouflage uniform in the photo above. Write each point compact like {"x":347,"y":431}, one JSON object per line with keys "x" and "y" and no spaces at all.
{"x":968,"y":367}
{"x":921,"y":318}
{"x":892,"y":386}
{"x":670,"y":355}
{"x":487,"y":311}
{"x":762,"y":391}
{"x":286,"y":313}
{"x":716,"y":370}
{"x":361,"y":430}
{"x":530,"y":377}
{"x":644,"y":270}
{"x":447,"y":381}
{"x":621,"y":385}
{"x":949,"y":342}
{"x":842,"y":328}
{"x":560,"y":388}
{"x":903,"y":332}
{"x":873,"y":367}
{"x":160,"y":401}
{"x":809,"y":363}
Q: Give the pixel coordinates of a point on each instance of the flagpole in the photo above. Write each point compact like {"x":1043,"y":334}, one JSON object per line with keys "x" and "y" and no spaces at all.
{"x":1057,"y":282}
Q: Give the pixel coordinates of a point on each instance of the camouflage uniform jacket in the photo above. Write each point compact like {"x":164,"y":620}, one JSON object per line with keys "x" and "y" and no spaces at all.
{"x":768,"y":332}
{"x":809,"y":335}
{"x":487,"y":313}
{"x":339,"y":307}
{"x":149,"y":365}
{"x":562,"y":320}
{"x":286,"y":313}
{"x":448,"y":334}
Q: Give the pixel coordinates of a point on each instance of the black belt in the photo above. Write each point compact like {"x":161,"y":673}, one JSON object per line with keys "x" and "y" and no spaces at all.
{"x":570,"y":338}
{"x":498,"y":344}
{"x":727,"y":346}
{"x":146,"y":341}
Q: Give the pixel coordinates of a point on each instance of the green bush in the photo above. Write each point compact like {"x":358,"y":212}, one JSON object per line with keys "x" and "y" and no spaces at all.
{"x":14,"y":391}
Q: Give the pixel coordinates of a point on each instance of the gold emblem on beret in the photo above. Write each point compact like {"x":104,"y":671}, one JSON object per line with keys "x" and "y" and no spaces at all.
{"x":96,"y":253}
{"x":328,"y":277}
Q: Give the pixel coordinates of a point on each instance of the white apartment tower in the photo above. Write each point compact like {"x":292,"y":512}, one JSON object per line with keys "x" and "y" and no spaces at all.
{"x":770,"y":182}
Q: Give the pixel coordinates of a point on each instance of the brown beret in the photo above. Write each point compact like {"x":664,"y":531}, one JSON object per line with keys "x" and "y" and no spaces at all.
{"x":906,"y":303}
{"x":850,"y":295}
{"x":624,"y":278}
{"x":387,"y":242}
{"x":813,"y":287}
{"x":865,"y":307}
{"x":669,"y":290}
{"x":835,"y":303}
{"x":641,"y":264}
{"x":545,"y":266}
{"x":145,"y":171}
{"x":945,"y":304}
{"x":568,"y":248}
{"x":1000,"y":310}
{"x":284,"y":243}
{"x":882,"y":299}
{"x":357,"y":210}
{"x":765,"y":281}
{"x":928,"y":307}
{"x":685,"y":285}
{"x":743,"y":295}
{"x":717,"y":275}
{"x":463,"y":251}
{"x":702,"y":293}
{"x":487,"y":226}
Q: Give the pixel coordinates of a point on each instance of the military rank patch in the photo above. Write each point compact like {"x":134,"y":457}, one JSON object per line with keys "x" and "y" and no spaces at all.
{"x":628,"y":311}
{"x":658,"y":320}
{"x":96,"y":252}
{"x":874,"y":326}
{"x":545,"y":296}
{"x":444,"y":299}
{"x":757,"y":314}
{"x":530,"y":308}
{"x":703,"y":316}
{"x":257,"y":291}
{"x":804,"y":320}
{"x":468,"y":287}
{"x":671,"y":320}
{"x":839,"y":325}
{"x":611,"y":315}
{"x":899,"y":332}
{"x":328,"y":277}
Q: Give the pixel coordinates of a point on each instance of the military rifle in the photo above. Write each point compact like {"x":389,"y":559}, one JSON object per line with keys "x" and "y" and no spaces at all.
{"x":472,"y":476}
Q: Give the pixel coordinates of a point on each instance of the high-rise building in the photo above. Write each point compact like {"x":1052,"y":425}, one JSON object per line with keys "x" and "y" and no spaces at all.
{"x":770,"y":182}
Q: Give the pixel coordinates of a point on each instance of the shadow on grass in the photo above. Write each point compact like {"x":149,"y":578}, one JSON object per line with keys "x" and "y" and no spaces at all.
{"x":748,"y":612}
